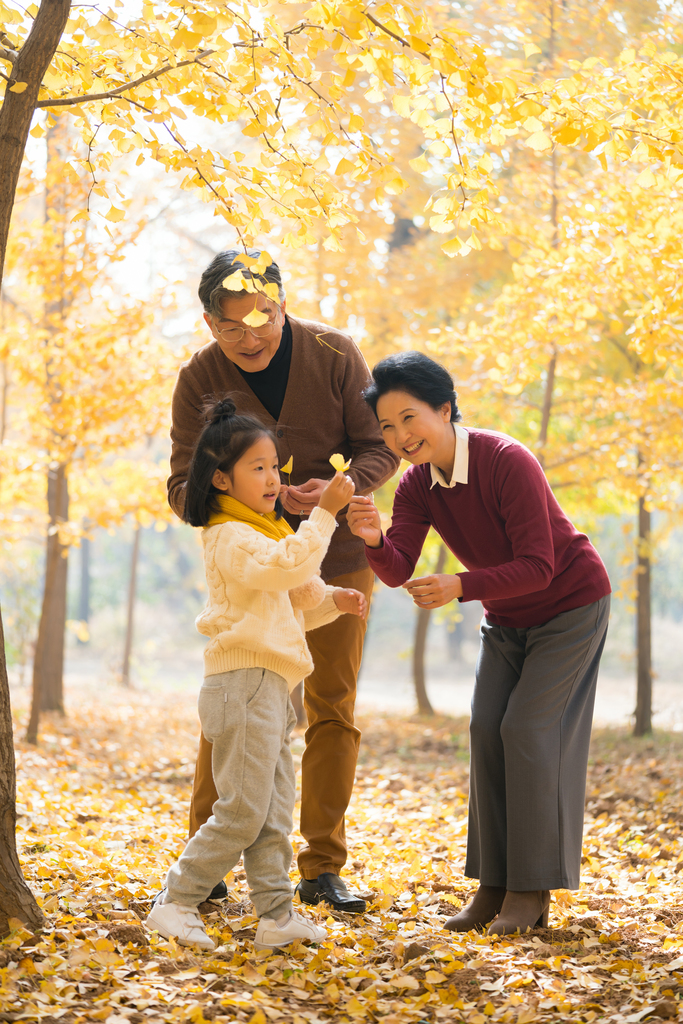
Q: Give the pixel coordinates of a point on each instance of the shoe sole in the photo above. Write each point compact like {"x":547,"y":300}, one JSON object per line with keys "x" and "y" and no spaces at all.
{"x":153,"y":927}
{"x":352,"y":907}
{"x":282,"y":945}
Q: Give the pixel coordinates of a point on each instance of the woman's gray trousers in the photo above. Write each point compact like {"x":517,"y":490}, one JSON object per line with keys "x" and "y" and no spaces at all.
{"x":529,"y":736}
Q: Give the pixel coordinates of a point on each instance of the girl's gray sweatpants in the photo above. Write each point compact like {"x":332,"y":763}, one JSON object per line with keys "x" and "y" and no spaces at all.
{"x":530,"y":730}
{"x":248,"y":717}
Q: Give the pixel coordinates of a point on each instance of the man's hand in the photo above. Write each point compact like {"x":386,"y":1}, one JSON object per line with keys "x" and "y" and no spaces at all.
{"x":364,"y":522}
{"x":303,"y":498}
{"x":434,"y":591}
{"x":352,"y":602}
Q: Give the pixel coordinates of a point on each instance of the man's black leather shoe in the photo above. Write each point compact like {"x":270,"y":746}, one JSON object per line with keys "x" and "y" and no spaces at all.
{"x":329,"y":888}
{"x":219,"y":892}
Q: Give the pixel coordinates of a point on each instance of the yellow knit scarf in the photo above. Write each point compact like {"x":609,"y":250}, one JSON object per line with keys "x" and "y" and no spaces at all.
{"x":234,"y":511}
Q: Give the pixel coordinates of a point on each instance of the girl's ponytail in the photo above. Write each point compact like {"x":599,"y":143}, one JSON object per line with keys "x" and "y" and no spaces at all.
{"x":223,"y":441}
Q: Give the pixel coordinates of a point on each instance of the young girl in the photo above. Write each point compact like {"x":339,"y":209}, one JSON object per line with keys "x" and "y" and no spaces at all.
{"x":265,"y":591}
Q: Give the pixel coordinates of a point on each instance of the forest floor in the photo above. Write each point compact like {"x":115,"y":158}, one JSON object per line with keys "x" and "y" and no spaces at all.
{"x":103,"y":806}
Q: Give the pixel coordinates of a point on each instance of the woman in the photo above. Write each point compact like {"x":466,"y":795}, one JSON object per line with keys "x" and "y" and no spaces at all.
{"x":546,"y":599}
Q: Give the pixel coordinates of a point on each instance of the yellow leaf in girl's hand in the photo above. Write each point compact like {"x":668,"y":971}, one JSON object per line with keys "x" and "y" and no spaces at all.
{"x":256,"y":318}
{"x":287,"y":468}
{"x":338,"y":464}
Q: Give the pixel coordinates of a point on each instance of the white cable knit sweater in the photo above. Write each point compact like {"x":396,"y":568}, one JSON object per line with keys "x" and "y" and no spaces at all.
{"x":264,"y":595}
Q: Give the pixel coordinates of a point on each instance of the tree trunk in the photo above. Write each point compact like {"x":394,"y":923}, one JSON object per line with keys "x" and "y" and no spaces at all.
{"x":422,"y":618}
{"x":643,"y":723}
{"x":130,"y":617}
{"x":17,"y":108}
{"x":16,"y":899}
{"x":52,"y":668}
{"x":84,"y":592}
{"x":48,"y":661}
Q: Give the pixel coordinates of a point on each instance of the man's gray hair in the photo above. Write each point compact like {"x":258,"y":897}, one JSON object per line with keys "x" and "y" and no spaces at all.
{"x":211,"y":290}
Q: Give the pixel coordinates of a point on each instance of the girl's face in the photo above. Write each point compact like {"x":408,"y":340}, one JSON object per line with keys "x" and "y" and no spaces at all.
{"x":254,"y":479}
{"x":414,"y":430}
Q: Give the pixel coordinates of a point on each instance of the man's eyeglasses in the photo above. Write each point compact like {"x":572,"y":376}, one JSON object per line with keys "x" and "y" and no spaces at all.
{"x":235,"y":334}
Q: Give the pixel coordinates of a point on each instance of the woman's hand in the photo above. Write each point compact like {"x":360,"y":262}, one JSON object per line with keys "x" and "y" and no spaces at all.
{"x":364,"y":522}
{"x":352,"y":602}
{"x":434,"y":591}
{"x":337,"y":493}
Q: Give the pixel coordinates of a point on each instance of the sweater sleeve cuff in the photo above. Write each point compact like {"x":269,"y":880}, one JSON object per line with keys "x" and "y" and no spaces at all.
{"x":324,"y":521}
{"x":325,"y":612}
{"x":470,"y":590}
{"x":378,"y":556}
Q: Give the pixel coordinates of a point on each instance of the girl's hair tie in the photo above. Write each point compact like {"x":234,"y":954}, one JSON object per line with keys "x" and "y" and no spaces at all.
{"x":225,"y":409}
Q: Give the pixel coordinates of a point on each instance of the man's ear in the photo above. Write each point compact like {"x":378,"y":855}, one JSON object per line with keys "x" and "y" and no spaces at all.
{"x":221,"y":481}
{"x":209,"y":321}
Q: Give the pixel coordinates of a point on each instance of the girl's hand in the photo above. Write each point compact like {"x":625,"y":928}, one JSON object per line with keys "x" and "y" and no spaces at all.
{"x":434,"y":591}
{"x":364,"y":522}
{"x":337,"y":493}
{"x":352,"y":602}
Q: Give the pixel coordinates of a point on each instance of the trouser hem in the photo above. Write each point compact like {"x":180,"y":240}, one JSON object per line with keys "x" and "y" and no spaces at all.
{"x":278,"y":911}
{"x":525,"y":885}
{"x":310,"y":874}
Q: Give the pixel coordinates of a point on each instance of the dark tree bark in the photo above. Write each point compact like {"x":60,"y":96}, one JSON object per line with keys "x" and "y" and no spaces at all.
{"x":643,"y":715}
{"x":130,"y":617}
{"x":50,"y":642}
{"x":16,"y":113}
{"x":16,"y":899}
{"x":422,"y":618}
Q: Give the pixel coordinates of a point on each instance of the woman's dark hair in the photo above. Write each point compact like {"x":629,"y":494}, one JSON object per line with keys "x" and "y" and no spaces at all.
{"x":417,"y":375}
{"x":222,"y":443}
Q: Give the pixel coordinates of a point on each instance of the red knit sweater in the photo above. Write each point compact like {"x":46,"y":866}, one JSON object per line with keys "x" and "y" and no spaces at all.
{"x":526,"y":561}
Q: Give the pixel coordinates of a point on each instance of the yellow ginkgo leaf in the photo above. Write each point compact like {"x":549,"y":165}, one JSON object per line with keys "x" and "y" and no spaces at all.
{"x":115,"y":214}
{"x":337,"y":462}
{"x":18,"y":87}
{"x":234,"y":282}
{"x":257,"y":264}
{"x":539,"y":142}
{"x":287,"y":468}
{"x":257,"y":318}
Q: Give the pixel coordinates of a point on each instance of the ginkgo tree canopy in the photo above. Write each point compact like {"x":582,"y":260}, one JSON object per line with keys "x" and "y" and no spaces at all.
{"x":287,"y":88}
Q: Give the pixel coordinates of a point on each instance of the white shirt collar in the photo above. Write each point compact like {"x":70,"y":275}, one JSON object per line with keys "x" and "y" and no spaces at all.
{"x":460,"y":462}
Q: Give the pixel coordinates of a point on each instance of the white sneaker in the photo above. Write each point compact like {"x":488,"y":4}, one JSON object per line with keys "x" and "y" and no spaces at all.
{"x":271,"y":935}
{"x":176,"y":921}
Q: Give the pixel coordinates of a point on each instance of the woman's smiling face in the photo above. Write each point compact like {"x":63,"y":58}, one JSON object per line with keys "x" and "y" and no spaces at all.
{"x":415,"y":431}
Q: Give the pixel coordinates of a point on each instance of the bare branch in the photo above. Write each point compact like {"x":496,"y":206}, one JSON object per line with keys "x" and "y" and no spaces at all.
{"x":383,"y":28}
{"x":69,"y":101}
{"x":10,"y":55}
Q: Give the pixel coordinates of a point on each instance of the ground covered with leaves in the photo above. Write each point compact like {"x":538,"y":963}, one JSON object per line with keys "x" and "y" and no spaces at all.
{"x":103,"y":810}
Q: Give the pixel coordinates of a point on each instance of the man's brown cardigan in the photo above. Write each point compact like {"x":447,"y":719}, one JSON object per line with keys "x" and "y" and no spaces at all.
{"x":323,"y":412}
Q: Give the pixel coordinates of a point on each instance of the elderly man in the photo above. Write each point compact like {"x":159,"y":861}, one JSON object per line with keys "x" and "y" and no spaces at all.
{"x":304,"y":381}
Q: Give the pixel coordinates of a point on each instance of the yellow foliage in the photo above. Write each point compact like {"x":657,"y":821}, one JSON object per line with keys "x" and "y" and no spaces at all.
{"x":291,"y":90}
